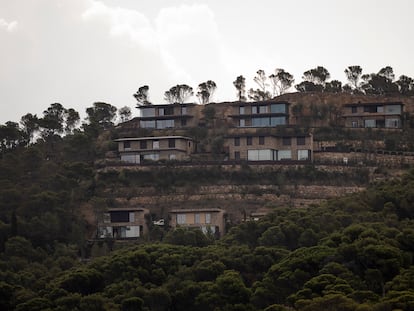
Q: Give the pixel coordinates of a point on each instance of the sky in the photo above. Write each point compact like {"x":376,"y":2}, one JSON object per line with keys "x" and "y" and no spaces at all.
{"x":77,"y":52}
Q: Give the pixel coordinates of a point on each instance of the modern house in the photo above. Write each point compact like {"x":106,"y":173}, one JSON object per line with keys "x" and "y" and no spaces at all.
{"x":266,"y":147}
{"x":140,"y":149}
{"x":373,"y":115}
{"x":206,"y":220}
{"x":167,"y":116}
{"x":260,"y":114}
{"x":122,"y":223}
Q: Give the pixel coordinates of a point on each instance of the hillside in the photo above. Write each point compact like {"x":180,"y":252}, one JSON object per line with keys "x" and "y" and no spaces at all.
{"x":354,"y":253}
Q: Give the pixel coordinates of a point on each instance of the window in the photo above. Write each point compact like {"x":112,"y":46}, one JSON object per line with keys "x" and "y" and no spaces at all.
{"x":143,"y":144}
{"x":249,"y":141}
{"x":148,"y":112}
{"x":183,"y":110}
{"x":127,"y":145}
{"x":241,"y":110}
{"x":147,"y":124}
{"x":261,"y":140}
{"x":300,"y":141}
{"x":156,"y":144}
{"x":277,"y":121}
{"x":369,"y":123}
{"x":184,"y":122}
{"x":172,"y":157}
{"x":393,"y":109}
{"x":263,"y":109}
{"x":130,"y":158}
{"x":196,"y":218}
{"x":237,"y":141}
{"x":181,"y":219}
{"x":237,"y":155}
{"x":151,"y":156}
{"x":392,"y":123}
{"x":171,"y":143}
{"x":284,"y":155}
{"x":278,"y":108}
{"x":208,"y":218}
{"x":286,"y":141}
{"x":260,"y":155}
{"x":303,"y":155}
{"x":242,"y":122}
{"x":354,"y":124}
{"x":255,"y":109}
{"x":353,"y":109}
{"x":162,"y":124}
{"x":119,"y":216}
{"x":370,"y":109}
{"x":380,"y":109}
{"x":131,"y":216}
{"x":261,"y":122}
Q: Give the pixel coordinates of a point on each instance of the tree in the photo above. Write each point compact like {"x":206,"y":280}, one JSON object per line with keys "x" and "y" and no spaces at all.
{"x":281,"y":81}
{"x":334,"y":86}
{"x":178,"y":94}
{"x":142,"y":96}
{"x":261,"y":93}
{"x":240,"y":85}
{"x":314,"y":80}
{"x":353,"y":74}
{"x":405,"y":85}
{"x":318,"y":75}
{"x":30,"y":125}
{"x":380,"y":83}
{"x":206,"y":91}
{"x":10,"y":136}
{"x":101,"y":115}
{"x":124,"y":113}
{"x":53,"y":120}
{"x":72,"y":120}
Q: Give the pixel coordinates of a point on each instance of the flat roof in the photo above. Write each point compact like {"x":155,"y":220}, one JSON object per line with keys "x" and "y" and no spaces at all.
{"x":192,"y":210}
{"x":374,"y":104}
{"x":152,"y":138}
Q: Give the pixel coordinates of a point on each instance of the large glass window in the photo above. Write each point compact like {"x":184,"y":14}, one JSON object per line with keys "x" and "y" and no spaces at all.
{"x":152,"y":156}
{"x":260,"y":155}
{"x":277,"y":121}
{"x":263,"y":109}
{"x":162,"y":124}
{"x":181,"y":219}
{"x":393,"y":109}
{"x":147,"y":124}
{"x":261,"y":122}
{"x":278,"y":108}
{"x":241,"y":110}
{"x":303,"y":155}
{"x":183,"y":110}
{"x":369,"y":123}
{"x":392,"y":123}
{"x":242,"y":122}
{"x":147,"y":112}
{"x":284,"y":155}
{"x":156,"y":144}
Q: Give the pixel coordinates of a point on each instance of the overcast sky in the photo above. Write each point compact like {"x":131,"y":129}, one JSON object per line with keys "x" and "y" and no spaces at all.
{"x":77,"y":52}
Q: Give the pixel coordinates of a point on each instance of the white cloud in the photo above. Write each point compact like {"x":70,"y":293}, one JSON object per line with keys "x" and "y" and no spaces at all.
{"x":123,"y":22}
{"x":9,"y":26}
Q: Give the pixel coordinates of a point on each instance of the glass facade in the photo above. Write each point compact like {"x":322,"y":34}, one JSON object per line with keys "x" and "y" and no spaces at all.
{"x":147,"y":112}
{"x":278,"y":108}
{"x":393,"y":109}
{"x":260,"y":155}
{"x":303,"y":155}
{"x":284,"y":155}
{"x":163,"y":124}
